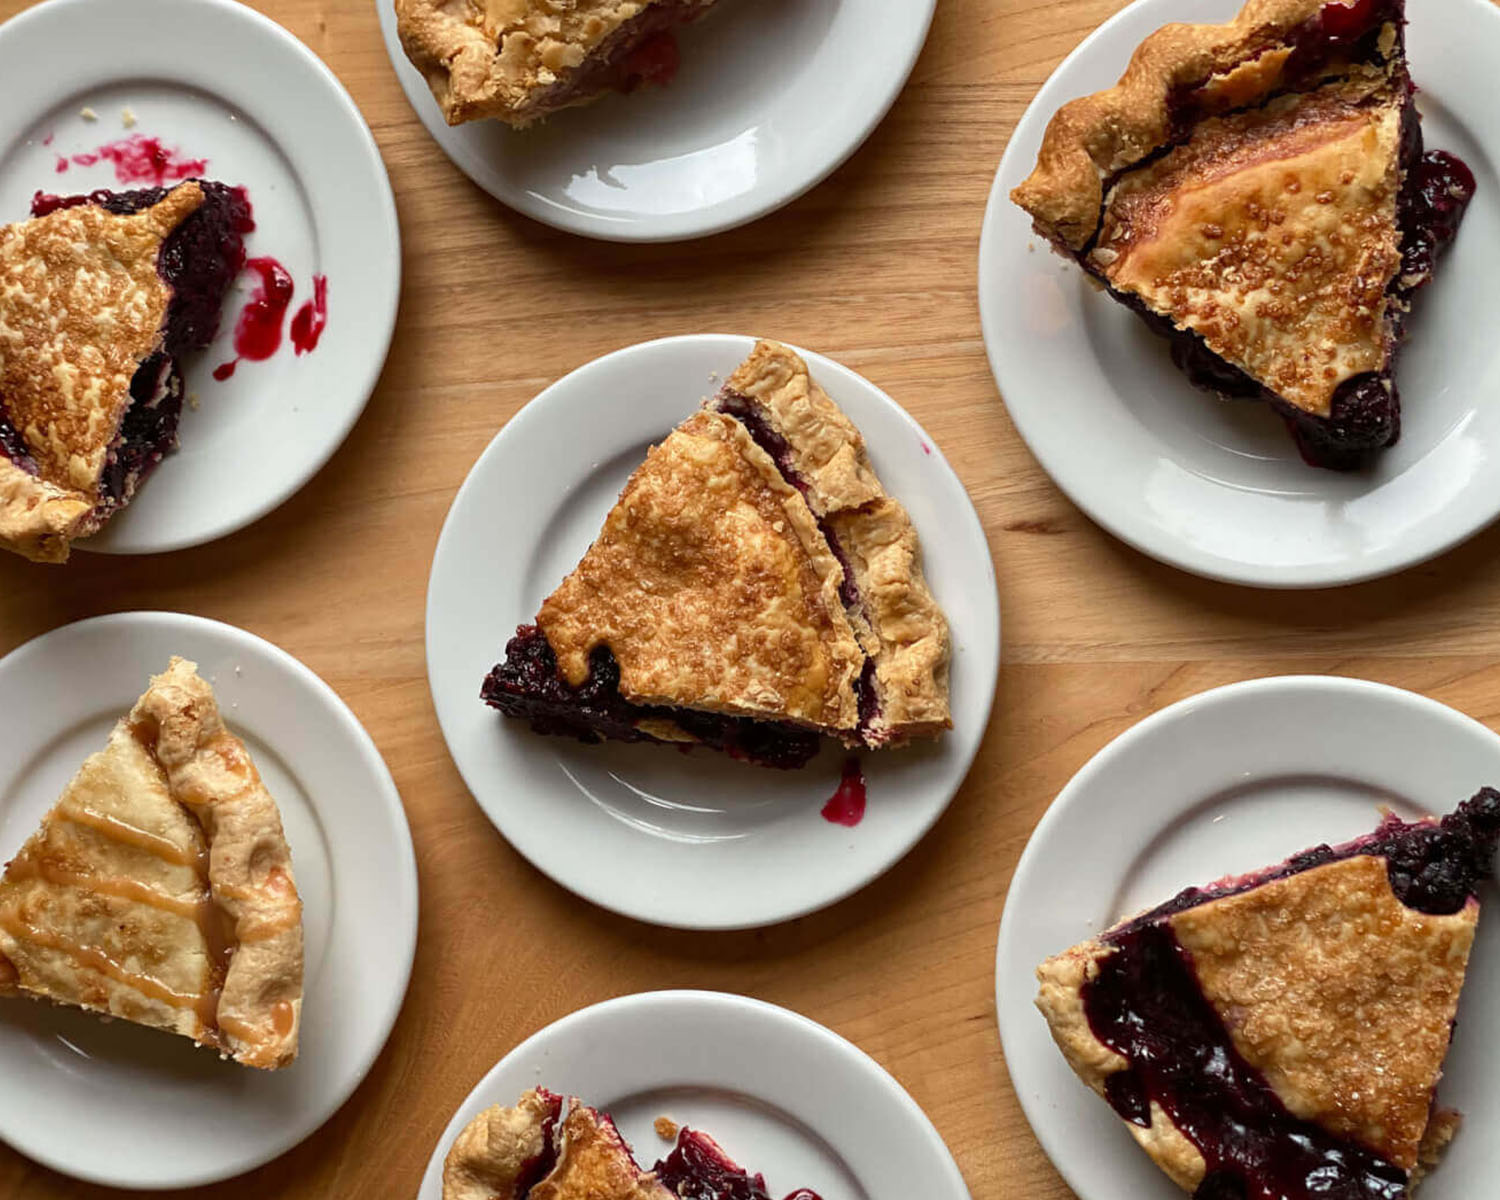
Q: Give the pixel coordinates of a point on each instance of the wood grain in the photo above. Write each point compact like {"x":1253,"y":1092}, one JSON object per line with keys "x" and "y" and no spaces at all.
{"x":876,"y":268}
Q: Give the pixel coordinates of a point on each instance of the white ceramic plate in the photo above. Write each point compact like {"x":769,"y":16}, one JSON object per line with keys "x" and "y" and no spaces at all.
{"x":1223,"y":783}
{"x":783,"y":1095}
{"x":1218,"y":488}
{"x":216,"y":80}
{"x":691,"y":840}
{"x":117,"y":1104}
{"x":772,"y":97}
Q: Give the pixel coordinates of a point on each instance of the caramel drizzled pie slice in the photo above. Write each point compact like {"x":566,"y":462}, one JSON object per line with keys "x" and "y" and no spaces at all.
{"x":159,"y":889}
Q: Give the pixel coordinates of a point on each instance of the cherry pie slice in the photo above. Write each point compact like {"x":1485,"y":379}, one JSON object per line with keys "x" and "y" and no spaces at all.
{"x":552,"y":1147}
{"x":1279,"y":1036}
{"x":159,"y":888}
{"x":1258,"y":193}
{"x":520,"y":60}
{"x":101,"y":296}
{"x":753,"y":589}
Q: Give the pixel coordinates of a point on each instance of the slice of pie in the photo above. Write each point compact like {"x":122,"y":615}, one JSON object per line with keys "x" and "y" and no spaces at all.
{"x":551,"y":1147}
{"x":100,"y":298}
{"x":519,"y":60}
{"x":1258,"y":192}
{"x":159,"y":889}
{"x":1282,"y":1034}
{"x":753,"y":589}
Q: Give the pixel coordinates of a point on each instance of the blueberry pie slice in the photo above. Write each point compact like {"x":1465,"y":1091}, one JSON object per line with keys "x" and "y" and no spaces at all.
{"x":1258,"y":193}
{"x":159,"y":889}
{"x":519,"y":60}
{"x":753,"y":589}
{"x":100,"y":298}
{"x":1279,"y":1036}
{"x":551,"y":1147}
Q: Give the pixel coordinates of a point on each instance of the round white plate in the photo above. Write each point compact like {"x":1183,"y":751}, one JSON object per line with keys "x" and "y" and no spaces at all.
{"x":218,"y":81}
{"x":117,"y":1104}
{"x":1226,"y":782}
{"x":783,"y":1095}
{"x":772,"y":97}
{"x":1218,"y":488}
{"x":691,"y":840}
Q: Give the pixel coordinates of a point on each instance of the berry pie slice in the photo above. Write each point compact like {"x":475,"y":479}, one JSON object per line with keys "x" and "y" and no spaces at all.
{"x":1279,"y":1036}
{"x":1258,"y":193}
{"x":753,"y":589}
{"x":100,"y":298}
{"x":520,"y":60}
{"x":551,"y":1147}
{"x":159,"y":889}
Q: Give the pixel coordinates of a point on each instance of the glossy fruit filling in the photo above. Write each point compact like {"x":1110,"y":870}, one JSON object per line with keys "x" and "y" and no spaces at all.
{"x":698,"y":1169}
{"x":1146,"y":1005}
{"x":198,"y":261}
{"x":641,"y":51}
{"x":528,"y":685}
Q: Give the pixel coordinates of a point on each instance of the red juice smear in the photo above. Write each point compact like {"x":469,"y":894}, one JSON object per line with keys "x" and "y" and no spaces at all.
{"x":62,"y":164}
{"x":142,"y":159}
{"x":847,"y":806}
{"x":311,"y":318}
{"x":47,"y":141}
{"x":257,"y":334}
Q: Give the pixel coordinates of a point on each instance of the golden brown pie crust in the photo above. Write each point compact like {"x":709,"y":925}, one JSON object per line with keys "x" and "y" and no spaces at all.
{"x":499,"y":58}
{"x":900,"y":626}
{"x":160,"y":889}
{"x":81,"y":306}
{"x":1341,"y":996}
{"x":714,"y":589}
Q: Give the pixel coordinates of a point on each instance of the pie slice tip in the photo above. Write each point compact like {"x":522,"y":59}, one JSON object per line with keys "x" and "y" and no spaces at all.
{"x":159,"y":888}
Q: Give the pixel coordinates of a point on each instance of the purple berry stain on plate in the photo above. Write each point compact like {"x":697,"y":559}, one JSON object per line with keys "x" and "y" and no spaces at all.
{"x":847,"y":805}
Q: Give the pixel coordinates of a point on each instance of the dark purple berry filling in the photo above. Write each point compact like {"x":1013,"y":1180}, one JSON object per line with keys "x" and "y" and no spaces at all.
{"x":697,"y":1169}
{"x":199,"y":260}
{"x":1146,"y":1005}
{"x":12,"y":444}
{"x":528,"y":685}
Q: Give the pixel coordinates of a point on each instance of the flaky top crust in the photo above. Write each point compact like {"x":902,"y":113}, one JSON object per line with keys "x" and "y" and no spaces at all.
{"x":81,"y":307}
{"x":901,"y":628}
{"x":497,"y":1153}
{"x":1091,"y":138}
{"x":499,"y":58}
{"x":713,"y":587}
{"x":159,"y":888}
{"x":1340,"y":995}
{"x":1271,"y":234}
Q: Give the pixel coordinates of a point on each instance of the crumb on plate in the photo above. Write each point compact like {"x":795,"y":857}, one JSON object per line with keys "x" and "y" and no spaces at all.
{"x":666,"y":1129}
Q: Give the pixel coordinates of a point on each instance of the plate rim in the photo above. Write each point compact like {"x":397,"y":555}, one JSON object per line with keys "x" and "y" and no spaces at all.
{"x":516,"y":427}
{"x":1169,"y":551}
{"x":729,"y":1006}
{"x":629,"y":231}
{"x":1098,"y":765}
{"x":380,"y":321}
{"x":407,"y":883}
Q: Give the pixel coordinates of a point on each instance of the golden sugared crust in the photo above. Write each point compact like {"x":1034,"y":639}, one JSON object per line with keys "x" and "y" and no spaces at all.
{"x":1090,"y":139}
{"x":1060,"y":999}
{"x":900,"y":626}
{"x":1272,"y":234}
{"x":159,"y":888}
{"x":490,"y":1156}
{"x":1339,"y":994}
{"x":37,"y":520}
{"x":713,"y":588}
{"x":81,"y":306}
{"x":593,"y":1163}
{"x":249,"y":868}
{"x":502,"y":58}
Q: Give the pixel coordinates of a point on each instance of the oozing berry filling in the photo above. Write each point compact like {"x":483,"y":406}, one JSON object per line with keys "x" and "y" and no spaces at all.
{"x":1146,"y":1005}
{"x":642,"y":50}
{"x":198,"y":260}
{"x":13,"y":445}
{"x":529,"y":685}
{"x":1365,"y":411}
{"x":534,"y":1170}
{"x":697,"y":1169}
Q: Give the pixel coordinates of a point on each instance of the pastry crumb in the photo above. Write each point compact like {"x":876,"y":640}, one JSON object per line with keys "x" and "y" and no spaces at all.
{"x":88,"y":114}
{"x":666,"y":1129}
{"x":192,"y":399}
{"x":127,"y":118}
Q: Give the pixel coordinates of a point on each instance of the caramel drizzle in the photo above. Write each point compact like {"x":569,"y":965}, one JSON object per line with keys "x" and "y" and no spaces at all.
{"x":120,"y":831}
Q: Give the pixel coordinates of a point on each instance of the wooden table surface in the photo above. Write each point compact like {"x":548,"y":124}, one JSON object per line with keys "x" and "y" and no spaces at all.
{"x":876,"y":268}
